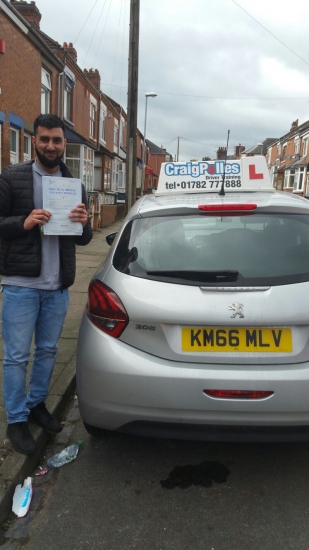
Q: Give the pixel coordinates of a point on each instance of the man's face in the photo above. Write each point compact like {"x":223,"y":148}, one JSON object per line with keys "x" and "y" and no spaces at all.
{"x":49,"y":147}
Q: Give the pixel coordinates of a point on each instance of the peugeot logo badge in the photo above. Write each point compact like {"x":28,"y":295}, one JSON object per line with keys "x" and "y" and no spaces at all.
{"x":237,"y":308}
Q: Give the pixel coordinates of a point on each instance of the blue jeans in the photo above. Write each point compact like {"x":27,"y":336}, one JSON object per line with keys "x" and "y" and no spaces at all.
{"x":28,"y":311}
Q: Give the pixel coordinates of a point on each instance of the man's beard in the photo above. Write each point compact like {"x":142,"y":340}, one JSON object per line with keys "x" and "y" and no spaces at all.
{"x":48,"y":163}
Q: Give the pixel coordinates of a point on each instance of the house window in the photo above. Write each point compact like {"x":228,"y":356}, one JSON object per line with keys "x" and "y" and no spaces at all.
{"x":72,"y":159}
{"x":114,"y":175}
{"x":305,"y":147}
{"x":14,"y":146}
{"x":299,"y":179}
{"x":297,"y":143}
{"x":67,"y":104}
{"x":107,"y":175}
{"x":120,"y":176}
{"x":121,"y":134}
{"x":92,"y":118}
{"x":80,"y":162}
{"x":102,"y":124}
{"x":268,"y":155}
{"x":283,"y":152}
{"x":116,"y":133}
{"x":67,"y":99}
{"x":45,"y":92}
{"x":88,"y":168}
{"x":289,"y":178}
{"x":27,"y":147}
{"x":278,"y":150}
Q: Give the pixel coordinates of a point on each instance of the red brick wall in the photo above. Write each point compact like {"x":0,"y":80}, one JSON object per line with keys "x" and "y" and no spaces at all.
{"x":80,"y":115}
{"x":81,"y":112}
{"x":20,"y":81}
{"x":109,"y":130}
{"x":155,"y":161}
{"x":108,"y":214}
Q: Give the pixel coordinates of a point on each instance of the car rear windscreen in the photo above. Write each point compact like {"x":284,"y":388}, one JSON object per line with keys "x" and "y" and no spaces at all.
{"x":242,"y":250}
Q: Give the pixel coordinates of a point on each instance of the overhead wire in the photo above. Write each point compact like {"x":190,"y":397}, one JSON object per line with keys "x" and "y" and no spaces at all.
{"x":123,"y":54}
{"x":93,"y":35}
{"x":85,"y":21}
{"x":238,"y":98}
{"x":102,"y":30}
{"x":190,"y":95}
{"x":272,"y":34}
{"x":207,"y":144}
{"x":115,"y":55}
{"x":217,"y":97}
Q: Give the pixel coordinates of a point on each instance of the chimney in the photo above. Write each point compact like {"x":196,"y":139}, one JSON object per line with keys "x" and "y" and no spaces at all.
{"x":94,"y":77}
{"x":221,"y":153}
{"x":238,"y":150}
{"x":28,"y":11}
{"x":294,"y":125}
{"x":69,"y":48}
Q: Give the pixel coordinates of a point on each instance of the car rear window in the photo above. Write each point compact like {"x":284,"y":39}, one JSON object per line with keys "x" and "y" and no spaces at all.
{"x":245,"y":250}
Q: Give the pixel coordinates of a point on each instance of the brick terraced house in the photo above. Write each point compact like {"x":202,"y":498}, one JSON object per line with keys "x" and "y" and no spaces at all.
{"x":38,"y":75}
{"x":288,"y":159}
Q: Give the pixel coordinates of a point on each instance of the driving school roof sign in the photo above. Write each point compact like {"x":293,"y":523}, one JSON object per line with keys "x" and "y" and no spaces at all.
{"x":247,"y":173}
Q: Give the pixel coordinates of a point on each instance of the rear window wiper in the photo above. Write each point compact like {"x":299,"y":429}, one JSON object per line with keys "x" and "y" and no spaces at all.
{"x":197,"y":275}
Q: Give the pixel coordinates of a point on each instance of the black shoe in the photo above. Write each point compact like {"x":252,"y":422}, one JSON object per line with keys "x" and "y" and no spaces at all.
{"x":21,"y":438}
{"x":40,"y":415}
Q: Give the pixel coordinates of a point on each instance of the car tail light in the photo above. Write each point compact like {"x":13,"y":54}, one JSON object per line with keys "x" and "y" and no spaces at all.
{"x":226,"y":207}
{"x":105,"y":309}
{"x":238,"y":394}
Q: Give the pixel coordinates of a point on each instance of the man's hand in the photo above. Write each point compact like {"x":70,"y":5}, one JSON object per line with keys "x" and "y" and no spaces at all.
{"x":38,"y":216}
{"x":79,"y":214}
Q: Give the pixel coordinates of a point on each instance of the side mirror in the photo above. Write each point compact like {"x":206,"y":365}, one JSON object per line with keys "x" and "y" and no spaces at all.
{"x":110,"y":238}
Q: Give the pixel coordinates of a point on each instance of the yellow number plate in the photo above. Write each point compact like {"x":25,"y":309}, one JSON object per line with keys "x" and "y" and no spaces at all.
{"x":227,"y":339}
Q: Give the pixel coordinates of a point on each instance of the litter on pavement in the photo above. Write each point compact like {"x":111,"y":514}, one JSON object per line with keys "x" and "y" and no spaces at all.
{"x":22,"y":498}
{"x":42,"y":471}
{"x":65,"y":456}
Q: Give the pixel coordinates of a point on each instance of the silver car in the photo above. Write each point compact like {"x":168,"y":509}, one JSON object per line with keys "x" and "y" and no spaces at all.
{"x":197,"y":324}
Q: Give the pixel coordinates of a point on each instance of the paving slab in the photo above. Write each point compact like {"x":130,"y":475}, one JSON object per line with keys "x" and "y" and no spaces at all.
{"x":14,"y":467}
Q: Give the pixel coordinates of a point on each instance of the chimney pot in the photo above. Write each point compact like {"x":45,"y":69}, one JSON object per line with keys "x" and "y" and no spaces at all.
{"x":71,"y":50}
{"x":94,"y":77}
{"x":30,"y":12}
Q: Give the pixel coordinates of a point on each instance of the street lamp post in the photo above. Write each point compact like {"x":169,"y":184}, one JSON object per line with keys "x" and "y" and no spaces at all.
{"x":148,"y":94}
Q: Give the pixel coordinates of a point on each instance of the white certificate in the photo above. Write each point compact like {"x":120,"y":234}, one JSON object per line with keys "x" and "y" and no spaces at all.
{"x":60,"y":196}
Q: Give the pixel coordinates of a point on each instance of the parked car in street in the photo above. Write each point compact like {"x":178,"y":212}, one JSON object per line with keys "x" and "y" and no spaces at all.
{"x":197,"y":324}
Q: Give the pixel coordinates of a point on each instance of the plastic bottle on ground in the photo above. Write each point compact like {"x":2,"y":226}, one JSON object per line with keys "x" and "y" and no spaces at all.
{"x":65,"y":456}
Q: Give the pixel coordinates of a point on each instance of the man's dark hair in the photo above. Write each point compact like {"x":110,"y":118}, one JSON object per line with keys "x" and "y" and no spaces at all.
{"x":48,"y":121}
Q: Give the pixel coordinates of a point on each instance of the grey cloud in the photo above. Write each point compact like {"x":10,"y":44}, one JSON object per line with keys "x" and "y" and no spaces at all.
{"x":196,"y":48}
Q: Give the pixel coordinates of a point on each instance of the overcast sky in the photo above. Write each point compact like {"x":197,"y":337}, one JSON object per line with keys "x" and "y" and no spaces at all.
{"x":214,"y":67}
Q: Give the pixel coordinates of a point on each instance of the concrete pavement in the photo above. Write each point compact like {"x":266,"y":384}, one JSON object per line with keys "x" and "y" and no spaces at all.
{"x":14,"y":467}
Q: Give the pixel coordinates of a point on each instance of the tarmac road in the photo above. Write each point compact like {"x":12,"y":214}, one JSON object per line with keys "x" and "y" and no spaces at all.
{"x":152,"y":494}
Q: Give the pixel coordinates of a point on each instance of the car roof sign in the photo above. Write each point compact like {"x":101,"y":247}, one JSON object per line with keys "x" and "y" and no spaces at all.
{"x":244,"y":174}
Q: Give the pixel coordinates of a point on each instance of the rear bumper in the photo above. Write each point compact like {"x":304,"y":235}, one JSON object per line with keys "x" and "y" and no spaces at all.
{"x":215,"y":432}
{"x":121,"y":388}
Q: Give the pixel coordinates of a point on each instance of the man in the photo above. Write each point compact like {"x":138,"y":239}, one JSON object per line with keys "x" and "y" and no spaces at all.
{"x":37,"y":271}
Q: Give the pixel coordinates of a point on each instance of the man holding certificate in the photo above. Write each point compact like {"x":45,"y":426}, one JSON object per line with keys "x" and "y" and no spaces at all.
{"x":43,"y":214}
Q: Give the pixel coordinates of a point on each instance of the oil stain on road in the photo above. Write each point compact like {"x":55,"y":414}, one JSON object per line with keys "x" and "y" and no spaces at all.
{"x":204,"y":475}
